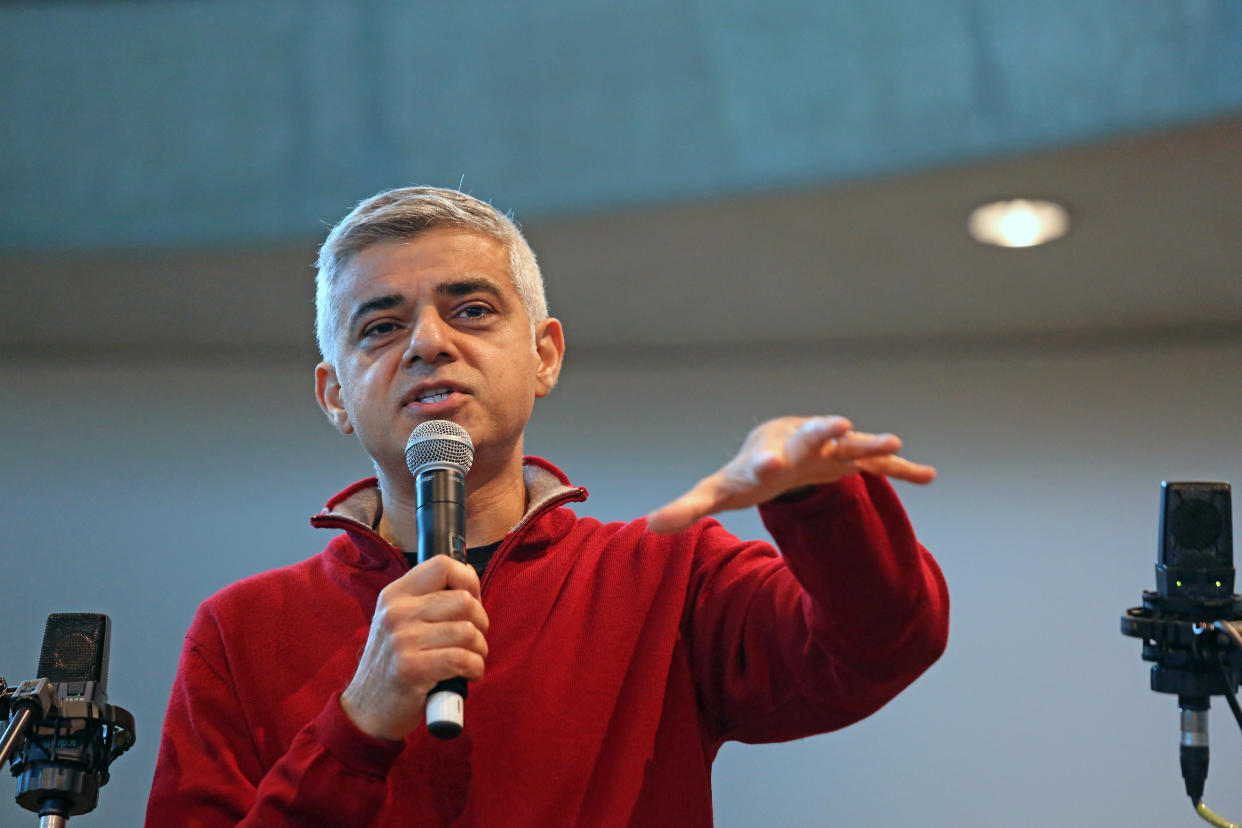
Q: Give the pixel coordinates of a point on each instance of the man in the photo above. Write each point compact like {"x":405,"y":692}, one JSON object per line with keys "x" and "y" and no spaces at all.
{"x":607,"y":663}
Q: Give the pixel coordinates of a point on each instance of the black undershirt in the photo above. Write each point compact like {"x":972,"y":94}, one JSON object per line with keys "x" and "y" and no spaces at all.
{"x":476,"y":556}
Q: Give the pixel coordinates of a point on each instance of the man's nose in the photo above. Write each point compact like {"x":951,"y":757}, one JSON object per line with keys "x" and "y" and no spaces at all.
{"x":431,"y":339}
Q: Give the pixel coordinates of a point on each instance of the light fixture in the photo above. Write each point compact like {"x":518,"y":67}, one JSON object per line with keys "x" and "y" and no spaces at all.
{"x":1018,"y":222}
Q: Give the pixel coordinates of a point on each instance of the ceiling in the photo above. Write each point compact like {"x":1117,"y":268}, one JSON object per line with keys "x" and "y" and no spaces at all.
{"x":1156,"y":244}
{"x":1155,"y":249}
{"x":221,"y":123}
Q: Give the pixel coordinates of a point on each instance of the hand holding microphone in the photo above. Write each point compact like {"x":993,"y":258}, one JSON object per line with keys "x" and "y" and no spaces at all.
{"x":439,"y":454}
{"x":426,"y":636}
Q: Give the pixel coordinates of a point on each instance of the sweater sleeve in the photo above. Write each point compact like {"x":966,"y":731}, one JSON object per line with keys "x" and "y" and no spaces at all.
{"x":209,"y":772}
{"x":822,"y":635}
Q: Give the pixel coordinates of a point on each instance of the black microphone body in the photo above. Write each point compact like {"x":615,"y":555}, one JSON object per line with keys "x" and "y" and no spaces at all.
{"x":440,"y":510}
{"x":439,"y":454}
{"x":441,"y":517}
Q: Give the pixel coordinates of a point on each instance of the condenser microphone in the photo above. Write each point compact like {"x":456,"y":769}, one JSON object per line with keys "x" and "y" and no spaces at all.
{"x":71,"y":733}
{"x":439,"y":454}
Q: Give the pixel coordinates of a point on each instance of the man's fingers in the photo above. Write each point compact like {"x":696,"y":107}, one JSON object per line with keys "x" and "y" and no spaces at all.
{"x":437,"y":573}
{"x":462,"y":634}
{"x":814,"y":435}
{"x":857,"y":444}
{"x":785,"y":450}
{"x":451,"y":605}
{"x":898,"y":467}
{"x":427,"y":667}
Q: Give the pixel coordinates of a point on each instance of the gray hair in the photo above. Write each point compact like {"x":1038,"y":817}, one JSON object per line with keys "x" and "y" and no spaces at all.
{"x":403,"y":214}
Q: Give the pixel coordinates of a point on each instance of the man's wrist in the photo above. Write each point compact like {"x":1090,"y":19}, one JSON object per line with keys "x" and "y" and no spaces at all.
{"x":794,"y":495}
{"x":362,"y":723}
{"x":352,"y":746}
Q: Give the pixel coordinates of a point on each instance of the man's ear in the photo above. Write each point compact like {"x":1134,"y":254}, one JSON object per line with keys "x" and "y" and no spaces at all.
{"x":550,"y":351}
{"x":328,"y":393}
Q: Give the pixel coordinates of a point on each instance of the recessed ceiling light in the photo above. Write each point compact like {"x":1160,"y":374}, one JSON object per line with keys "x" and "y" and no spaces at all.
{"x":1018,"y":222}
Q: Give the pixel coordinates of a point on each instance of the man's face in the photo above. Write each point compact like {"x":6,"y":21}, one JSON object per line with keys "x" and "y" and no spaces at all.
{"x":432,"y":328}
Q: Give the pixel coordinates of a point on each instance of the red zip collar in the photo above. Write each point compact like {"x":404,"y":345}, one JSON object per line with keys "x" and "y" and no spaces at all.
{"x":328,"y":519}
{"x":510,"y":540}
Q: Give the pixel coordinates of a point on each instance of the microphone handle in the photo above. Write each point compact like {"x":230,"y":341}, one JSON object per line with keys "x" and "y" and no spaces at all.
{"x":440,"y":492}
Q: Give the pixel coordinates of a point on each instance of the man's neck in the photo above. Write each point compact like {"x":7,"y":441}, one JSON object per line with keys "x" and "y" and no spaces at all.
{"x":495,"y":503}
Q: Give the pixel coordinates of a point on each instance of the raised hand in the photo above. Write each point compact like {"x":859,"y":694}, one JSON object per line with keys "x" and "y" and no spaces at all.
{"x":785,"y":454}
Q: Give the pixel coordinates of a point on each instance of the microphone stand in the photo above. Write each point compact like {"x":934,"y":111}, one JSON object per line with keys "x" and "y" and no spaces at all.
{"x":61,"y":771}
{"x":1197,"y":654}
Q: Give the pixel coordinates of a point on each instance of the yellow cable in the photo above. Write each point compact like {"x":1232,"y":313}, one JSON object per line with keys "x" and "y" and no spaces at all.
{"x":1206,"y":812}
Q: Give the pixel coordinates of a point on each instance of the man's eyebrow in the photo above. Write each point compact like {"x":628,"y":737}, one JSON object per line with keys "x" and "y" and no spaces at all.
{"x":467,"y":286}
{"x":379,"y":303}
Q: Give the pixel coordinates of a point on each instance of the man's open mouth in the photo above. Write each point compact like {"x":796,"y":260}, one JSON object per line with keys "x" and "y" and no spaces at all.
{"x":434,"y":395}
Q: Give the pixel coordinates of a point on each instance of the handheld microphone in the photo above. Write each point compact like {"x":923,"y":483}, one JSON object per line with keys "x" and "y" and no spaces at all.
{"x":439,"y":454}
{"x":71,"y":733}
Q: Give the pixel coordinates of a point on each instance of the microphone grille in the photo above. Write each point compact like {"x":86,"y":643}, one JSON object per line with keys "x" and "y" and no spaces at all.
{"x":75,"y":648}
{"x":439,"y":441}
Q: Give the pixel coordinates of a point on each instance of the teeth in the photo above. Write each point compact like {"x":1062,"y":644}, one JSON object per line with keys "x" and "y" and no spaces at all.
{"x":434,"y":396}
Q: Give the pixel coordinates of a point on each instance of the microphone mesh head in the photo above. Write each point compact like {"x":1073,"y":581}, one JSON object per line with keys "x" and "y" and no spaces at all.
{"x":75,"y":648}
{"x":439,"y":441}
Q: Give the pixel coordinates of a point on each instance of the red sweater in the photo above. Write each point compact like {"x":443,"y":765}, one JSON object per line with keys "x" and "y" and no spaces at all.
{"x":619,"y":662}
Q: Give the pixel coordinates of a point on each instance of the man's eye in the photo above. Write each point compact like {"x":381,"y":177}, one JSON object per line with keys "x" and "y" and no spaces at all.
{"x":378,"y":329}
{"x":474,"y":311}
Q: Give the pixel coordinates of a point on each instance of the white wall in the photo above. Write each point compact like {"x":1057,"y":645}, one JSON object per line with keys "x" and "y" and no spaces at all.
{"x":137,"y":489}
